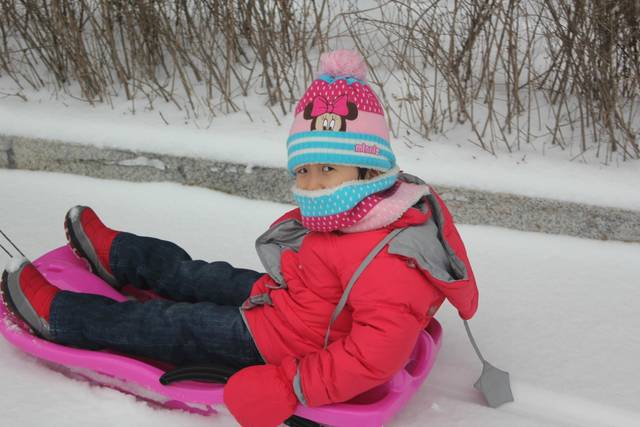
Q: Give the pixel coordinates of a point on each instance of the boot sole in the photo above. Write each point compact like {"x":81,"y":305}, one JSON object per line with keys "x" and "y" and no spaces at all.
{"x":16,"y":316}
{"x":76,"y":248}
{"x":10,"y":305}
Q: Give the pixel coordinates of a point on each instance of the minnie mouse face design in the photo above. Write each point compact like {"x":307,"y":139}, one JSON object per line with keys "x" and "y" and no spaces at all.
{"x":330,"y":115}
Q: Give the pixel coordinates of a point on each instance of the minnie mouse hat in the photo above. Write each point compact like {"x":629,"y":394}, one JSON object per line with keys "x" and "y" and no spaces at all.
{"x":339,"y":119}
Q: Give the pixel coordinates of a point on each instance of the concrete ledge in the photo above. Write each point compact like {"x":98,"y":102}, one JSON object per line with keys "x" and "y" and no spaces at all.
{"x":468,"y":206}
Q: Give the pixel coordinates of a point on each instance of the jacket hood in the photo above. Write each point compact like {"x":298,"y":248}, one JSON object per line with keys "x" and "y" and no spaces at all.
{"x":438,"y":250}
{"x":430,"y":238}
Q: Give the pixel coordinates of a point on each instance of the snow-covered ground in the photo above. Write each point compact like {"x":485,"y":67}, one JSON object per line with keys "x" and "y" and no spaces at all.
{"x":256,"y":137}
{"x":559,"y":313}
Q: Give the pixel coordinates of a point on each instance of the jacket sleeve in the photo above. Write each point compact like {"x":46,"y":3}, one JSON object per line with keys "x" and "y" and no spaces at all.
{"x":388,"y":306}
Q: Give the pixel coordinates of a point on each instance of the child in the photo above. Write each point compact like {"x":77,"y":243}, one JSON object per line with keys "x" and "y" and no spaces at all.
{"x":353,"y":275}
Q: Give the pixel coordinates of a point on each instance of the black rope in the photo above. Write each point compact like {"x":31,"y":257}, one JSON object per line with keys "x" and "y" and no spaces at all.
{"x":12,"y":244}
{"x":4,"y":249}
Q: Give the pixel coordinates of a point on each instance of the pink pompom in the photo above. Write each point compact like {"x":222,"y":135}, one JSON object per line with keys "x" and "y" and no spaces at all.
{"x":343,"y":63}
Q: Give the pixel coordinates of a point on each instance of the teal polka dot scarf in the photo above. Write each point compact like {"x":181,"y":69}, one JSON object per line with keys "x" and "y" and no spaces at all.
{"x":343,"y":206}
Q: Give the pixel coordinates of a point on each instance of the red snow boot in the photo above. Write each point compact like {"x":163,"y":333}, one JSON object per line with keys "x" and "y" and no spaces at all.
{"x":91,"y":240}
{"x":28,"y":295}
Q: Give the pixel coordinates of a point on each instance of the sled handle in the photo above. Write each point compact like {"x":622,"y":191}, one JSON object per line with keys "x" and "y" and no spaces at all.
{"x":205,"y":373}
{"x":219,"y":374}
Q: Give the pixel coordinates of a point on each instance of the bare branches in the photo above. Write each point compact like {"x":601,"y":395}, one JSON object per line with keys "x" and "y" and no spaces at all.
{"x":490,"y":61}
{"x":198,"y":54}
{"x":515,"y":72}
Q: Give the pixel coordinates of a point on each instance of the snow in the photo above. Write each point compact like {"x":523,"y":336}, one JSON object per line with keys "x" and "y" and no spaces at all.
{"x":143,"y":161}
{"x":256,"y":137}
{"x":559,"y":313}
{"x":14,"y":263}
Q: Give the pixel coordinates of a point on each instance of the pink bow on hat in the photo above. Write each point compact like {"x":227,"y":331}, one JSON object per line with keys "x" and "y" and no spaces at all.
{"x":321,"y":106}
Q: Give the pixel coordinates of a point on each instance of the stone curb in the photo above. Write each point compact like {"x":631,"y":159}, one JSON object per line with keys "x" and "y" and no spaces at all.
{"x":468,"y":206}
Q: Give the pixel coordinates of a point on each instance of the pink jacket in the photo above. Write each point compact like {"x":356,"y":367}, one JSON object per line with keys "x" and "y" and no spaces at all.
{"x":392,"y":301}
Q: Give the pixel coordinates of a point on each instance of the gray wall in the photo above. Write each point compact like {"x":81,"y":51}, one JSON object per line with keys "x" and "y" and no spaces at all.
{"x":467,"y":206}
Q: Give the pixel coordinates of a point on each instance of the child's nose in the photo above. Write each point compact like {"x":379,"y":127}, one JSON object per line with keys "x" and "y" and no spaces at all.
{"x":315,"y":182}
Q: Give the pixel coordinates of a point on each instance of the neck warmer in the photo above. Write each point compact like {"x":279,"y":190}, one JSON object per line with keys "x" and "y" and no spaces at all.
{"x":344,"y":205}
{"x":390,"y":208}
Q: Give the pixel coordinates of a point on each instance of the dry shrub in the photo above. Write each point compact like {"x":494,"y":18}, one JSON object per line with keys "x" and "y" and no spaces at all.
{"x":163,"y":49}
{"x":516,"y":72}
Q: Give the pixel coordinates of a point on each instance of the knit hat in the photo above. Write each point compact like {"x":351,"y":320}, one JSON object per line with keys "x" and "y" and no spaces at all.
{"x":339,"y":119}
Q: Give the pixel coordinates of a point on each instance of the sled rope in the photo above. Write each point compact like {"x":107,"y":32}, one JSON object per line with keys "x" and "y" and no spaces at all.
{"x":494,"y":383}
{"x":356,"y":275}
{"x":8,"y":253}
{"x":473,"y":341}
{"x":12,"y":244}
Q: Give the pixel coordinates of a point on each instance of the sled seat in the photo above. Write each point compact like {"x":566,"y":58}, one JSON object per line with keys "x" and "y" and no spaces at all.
{"x":141,"y":377}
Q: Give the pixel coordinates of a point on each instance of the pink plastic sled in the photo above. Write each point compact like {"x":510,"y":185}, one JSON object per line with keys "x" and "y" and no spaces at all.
{"x":141,"y":378}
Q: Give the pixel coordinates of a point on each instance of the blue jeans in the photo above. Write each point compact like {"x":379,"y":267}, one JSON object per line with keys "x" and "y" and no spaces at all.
{"x":199,"y":323}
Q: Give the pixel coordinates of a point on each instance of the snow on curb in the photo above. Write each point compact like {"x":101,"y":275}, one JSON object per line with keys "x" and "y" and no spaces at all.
{"x":470,"y":206}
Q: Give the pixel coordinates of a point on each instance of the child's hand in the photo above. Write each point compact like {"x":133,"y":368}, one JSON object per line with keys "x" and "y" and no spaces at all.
{"x":262,"y":395}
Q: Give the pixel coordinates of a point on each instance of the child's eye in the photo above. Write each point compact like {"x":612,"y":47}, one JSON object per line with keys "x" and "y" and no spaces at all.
{"x":300,"y":171}
{"x":327,"y":168}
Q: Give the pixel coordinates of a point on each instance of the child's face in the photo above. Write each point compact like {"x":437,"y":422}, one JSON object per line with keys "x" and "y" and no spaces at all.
{"x":322,"y":176}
